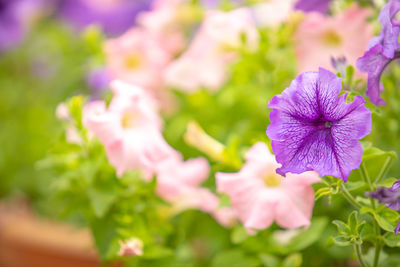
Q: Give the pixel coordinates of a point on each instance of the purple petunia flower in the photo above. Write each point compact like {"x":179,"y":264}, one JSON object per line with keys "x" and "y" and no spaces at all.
{"x":321,"y":6}
{"x":15,"y":19}
{"x":390,"y":197}
{"x":114,"y":16}
{"x":382,"y":49}
{"x":313,"y":128}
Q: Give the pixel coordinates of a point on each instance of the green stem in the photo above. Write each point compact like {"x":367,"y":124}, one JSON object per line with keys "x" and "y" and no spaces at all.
{"x":365,"y":176}
{"x":357,"y":250}
{"x":376,"y":256}
{"x":349,"y":197}
{"x":384,"y":169}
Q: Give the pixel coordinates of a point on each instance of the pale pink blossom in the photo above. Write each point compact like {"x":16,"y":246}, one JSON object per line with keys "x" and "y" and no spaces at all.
{"x":162,"y":22}
{"x":137,"y":57}
{"x":62,"y":112}
{"x":271,"y":13}
{"x":320,"y":37}
{"x":260,"y":196}
{"x":179,"y":182}
{"x":205,"y":63}
{"x":129,"y":128}
{"x":131,"y":247}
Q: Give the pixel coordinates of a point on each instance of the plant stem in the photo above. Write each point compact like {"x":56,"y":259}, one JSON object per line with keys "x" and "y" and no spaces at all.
{"x":357,"y":250}
{"x":365,"y":176}
{"x":376,"y":256}
{"x":377,"y":230}
{"x":349,"y":197}
{"x":384,"y":170}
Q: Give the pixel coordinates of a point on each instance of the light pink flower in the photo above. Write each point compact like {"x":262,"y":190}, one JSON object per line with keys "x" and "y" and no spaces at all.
{"x":131,"y":247}
{"x":273,"y":12}
{"x":129,"y":128}
{"x":162,"y":22}
{"x":260,"y":196}
{"x":179,"y":182}
{"x":137,"y":57}
{"x":205,"y":63}
{"x":320,"y":37}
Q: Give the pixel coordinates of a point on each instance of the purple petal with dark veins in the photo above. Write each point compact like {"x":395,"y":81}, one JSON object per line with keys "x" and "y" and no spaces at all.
{"x":314,"y":129}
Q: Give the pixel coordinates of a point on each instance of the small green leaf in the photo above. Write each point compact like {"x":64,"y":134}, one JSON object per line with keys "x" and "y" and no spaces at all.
{"x":239,"y":234}
{"x":156,"y":252}
{"x":343,"y":228}
{"x":382,"y":221}
{"x":392,"y":240}
{"x":309,"y":236}
{"x":269,"y":260}
{"x":388,"y":182}
{"x":341,"y":241}
{"x":294,"y":260}
{"x":101,"y":201}
{"x":352,"y":222}
{"x":234,"y":258}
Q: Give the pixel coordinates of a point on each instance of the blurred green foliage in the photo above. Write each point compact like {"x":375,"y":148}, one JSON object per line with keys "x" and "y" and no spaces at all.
{"x":77,"y":183}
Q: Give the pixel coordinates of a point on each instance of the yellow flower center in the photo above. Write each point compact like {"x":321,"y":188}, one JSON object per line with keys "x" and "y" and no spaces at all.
{"x":128,"y":120}
{"x":272,"y":179}
{"x":133,"y":61}
{"x":331,"y":38}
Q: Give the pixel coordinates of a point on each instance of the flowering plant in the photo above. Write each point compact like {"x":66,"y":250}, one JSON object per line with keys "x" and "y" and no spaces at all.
{"x":224,"y":133}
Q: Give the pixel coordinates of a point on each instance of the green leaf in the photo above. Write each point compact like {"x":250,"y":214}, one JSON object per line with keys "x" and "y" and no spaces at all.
{"x":156,"y":252}
{"x":343,"y":228}
{"x":383,"y":221}
{"x":104,"y":233}
{"x":239,"y":234}
{"x":269,"y":260}
{"x":351,"y":186}
{"x":308,"y":237}
{"x":101,"y":201}
{"x":392,"y":240}
{"x":352,"y":222}
{"x":388,"y":182}
{"x":341,"y":241}
{"x":294,"y":260}
{"x":234,"y":258}
{"x":323,"y":192}
{"x":374,"y":153}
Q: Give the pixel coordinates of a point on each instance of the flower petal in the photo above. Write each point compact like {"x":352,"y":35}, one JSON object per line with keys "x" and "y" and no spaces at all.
{"x":374,"y":62}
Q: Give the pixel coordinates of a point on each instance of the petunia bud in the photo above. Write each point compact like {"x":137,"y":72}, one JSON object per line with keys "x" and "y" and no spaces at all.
{"x":131,"y":248}
{"x":198,"y":138}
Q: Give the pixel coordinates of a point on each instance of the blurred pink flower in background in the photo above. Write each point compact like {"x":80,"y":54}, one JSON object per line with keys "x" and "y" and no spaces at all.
{"x":162,"y":22}
{"x":179,"y":182}
{"x":320,"y":37}
{"x":130,"y":129}
{"x":205,"y":63}
{"x":137,"y":57}
{"x":271,"y":13}
{"x":260,"y":196}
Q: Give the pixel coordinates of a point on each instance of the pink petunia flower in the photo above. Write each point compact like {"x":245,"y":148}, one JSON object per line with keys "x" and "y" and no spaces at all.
{"x":260,"y":196}
{"x":205,"y":63}
{"x":179,"y":182}
{"x":129,"y":128}
{"x":320,"y":37}
{"x":163,"y":23}
{"x":137,"y":57}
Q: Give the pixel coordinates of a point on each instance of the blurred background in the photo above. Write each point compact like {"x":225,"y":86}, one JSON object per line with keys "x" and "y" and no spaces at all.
{"x":51,"y":50}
